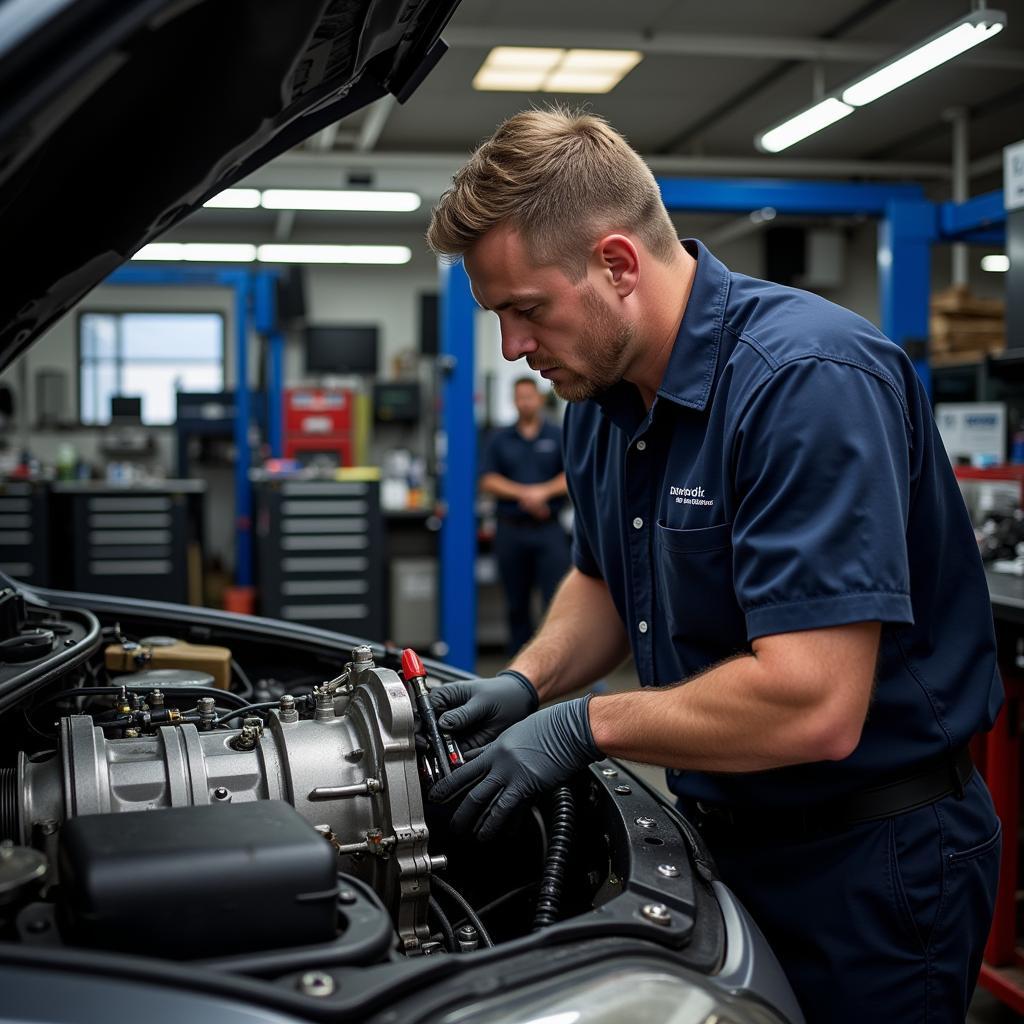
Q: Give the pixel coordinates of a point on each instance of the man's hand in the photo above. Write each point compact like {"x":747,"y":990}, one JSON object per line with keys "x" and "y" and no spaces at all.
{"x":534,"y":500}
{"x":528,"y":759}
{"x":479,"y":711}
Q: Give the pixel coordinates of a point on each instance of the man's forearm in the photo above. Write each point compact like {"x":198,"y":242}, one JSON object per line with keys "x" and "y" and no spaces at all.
{"x":501,"y":487}
{"x":556,"y":487}
{"x":750,"y":713}
{"x":581,"y":639}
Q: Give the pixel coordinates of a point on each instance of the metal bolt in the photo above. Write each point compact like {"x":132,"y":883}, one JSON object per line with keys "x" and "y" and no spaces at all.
{"x":207,"y":708}
{"x":48,"y":826}
{"x":220,"y":793}
{"x":289,"y":713}
{"x":362,"y":657}
{"x":609,"y":773}
{"x":316,"y":983}
{"x":347,"y":897}
{"x":467,"y":938}
{"x":623,"y":790}
{"x":657,"y":913}
{"x":644,"y":822}
{"x":156,"y":698}
{"x":438,"y":862}
{"x":668,"y":870}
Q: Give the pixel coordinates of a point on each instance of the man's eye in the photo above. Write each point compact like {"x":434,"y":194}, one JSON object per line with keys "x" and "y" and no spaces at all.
{"x":528,"y":313}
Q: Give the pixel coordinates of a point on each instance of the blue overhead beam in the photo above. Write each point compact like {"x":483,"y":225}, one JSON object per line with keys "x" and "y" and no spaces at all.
{"x":743,"y":195}
{"x":964,"y":221}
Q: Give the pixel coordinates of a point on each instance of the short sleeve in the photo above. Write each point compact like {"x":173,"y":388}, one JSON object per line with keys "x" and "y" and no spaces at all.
{"x":822,"y":481}
{"x":489,"y":456}
{"x":582,"y":551}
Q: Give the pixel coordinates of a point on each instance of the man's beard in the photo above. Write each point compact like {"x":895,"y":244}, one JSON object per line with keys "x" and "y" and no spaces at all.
{"x":602,"y":351}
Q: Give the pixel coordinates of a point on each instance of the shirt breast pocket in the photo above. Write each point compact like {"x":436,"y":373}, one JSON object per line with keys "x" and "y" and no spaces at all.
{"x":695,"y":592}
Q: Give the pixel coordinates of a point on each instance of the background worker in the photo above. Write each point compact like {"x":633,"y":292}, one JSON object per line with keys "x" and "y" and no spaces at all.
{"x":522,"y":468}
{"x":766,"y":519}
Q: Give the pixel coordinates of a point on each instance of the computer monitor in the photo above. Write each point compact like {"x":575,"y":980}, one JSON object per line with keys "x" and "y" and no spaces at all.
{"x":125,"y":410}
{"x":341,"y":350}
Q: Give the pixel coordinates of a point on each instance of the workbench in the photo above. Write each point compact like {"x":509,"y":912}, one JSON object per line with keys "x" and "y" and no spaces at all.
{"x":997,"y":755}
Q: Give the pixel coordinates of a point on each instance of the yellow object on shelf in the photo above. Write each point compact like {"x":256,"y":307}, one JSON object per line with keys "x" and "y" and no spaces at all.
{"x":166,"y":652}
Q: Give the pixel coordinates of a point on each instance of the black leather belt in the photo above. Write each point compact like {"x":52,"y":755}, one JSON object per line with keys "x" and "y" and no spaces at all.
{"x":906,"y":793}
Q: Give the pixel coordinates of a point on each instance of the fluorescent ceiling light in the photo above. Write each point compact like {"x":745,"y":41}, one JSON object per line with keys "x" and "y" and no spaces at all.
{"x":995,"y":263}
{"x":821,"y":115}
{"x":234,"y":199}
{"x":379,"y":254}
{"x":969,"y":31}
{"x":339,"y":199}
{"x":197,"y":252}
{"x":546,"y":69}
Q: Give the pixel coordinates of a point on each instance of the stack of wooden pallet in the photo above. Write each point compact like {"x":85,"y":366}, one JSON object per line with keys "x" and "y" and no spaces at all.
{"x":964,"y":328}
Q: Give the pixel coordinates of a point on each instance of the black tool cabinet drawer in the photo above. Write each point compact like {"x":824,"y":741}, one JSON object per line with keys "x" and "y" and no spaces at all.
{"x":320,"y":556}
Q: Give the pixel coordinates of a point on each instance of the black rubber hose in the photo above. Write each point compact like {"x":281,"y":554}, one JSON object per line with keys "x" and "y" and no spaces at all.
{"x":471,"y":915}
{"x":244,"y":711}
{"x":445,"y":924}
{"x":9,"y":816}
{"x":563,"y":823}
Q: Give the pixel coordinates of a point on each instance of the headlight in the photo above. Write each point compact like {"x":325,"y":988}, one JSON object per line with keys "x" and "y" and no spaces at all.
{"x":619,"y":994}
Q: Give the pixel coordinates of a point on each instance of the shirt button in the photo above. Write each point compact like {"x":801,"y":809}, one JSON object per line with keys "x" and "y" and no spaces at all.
{"x":642,"y":626}
{"x":637,"y":523}
{"x":641,"y":445}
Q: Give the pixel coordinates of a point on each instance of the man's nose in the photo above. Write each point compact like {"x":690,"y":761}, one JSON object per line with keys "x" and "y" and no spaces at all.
{"x":516,"y":344}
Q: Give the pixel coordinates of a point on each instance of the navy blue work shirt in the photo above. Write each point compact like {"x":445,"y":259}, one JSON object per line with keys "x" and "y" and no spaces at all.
{"x":788,"y":476}
{"x":524,"y":460}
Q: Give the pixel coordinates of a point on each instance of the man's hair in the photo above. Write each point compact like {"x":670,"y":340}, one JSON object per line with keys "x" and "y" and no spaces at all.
{"x":532,"y":381}
{"x":562,"y":179}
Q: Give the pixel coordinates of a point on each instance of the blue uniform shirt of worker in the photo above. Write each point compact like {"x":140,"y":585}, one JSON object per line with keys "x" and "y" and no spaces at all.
{"x":789,"y":476}
{"x":530,"y":544}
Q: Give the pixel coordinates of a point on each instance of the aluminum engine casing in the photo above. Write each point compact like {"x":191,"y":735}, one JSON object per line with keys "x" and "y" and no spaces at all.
{"x":353,"y":768}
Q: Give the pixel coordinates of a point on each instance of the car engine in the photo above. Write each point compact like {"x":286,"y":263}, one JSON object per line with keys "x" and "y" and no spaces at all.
{"x":162,"y":768}
{"x":343,"y":756}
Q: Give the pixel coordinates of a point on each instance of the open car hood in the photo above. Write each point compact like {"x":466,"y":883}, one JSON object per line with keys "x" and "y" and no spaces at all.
{"x":118,"y":120}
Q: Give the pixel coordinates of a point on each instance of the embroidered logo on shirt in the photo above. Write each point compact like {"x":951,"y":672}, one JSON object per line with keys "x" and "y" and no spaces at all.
{"x":690,"y":496}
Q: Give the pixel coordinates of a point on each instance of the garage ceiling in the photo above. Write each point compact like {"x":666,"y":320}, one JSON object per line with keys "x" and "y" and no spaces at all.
{"x":713,"y":75}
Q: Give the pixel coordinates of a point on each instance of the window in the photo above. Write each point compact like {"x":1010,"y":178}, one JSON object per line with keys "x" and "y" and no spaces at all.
{"x":150,"y":356}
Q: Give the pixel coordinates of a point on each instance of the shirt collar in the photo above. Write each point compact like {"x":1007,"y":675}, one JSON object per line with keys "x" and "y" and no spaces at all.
{"x":691,"y":365}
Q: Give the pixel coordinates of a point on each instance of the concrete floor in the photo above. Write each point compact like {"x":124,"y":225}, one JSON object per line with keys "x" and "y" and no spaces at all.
{"x":985,"y":1009}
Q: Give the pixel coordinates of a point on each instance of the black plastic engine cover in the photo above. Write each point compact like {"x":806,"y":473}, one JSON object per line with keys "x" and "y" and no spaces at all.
{"x":188,"y":882}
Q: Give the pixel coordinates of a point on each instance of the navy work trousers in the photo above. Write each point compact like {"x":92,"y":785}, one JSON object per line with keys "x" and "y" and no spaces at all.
{"x":883,"y":922}
{"x":529,"y":555}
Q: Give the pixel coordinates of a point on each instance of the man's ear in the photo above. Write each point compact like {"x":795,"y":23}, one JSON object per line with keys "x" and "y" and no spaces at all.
{"x":617,"y":260}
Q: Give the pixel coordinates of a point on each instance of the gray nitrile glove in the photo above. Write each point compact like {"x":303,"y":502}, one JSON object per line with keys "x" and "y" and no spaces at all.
{"x":529,"y":758}
{"x":480,"y":710}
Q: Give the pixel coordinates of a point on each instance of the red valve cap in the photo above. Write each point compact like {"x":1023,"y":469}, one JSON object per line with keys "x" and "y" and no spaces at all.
{"x":412,"y":665}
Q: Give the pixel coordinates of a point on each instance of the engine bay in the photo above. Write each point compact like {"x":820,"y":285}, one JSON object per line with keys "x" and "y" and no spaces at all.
{"x":251,"y":798}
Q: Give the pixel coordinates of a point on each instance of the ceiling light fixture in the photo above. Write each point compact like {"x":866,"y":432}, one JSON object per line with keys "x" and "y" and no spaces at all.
{"x":953,"y":40}
{"x":549,"y":69}
{"x":995,"y":263}
{"x":237,"y":252}
{"x":966,"y":32}
{"x":807,"y":122}
{"x":339,"y":199}
{"x":234,"y":199}
{"x":197,"y":252}
{"x":394,"y":255}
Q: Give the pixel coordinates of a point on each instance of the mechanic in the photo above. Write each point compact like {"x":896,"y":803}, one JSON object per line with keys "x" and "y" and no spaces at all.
{"x":766,"y":518}
{"x":522,"y":468}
